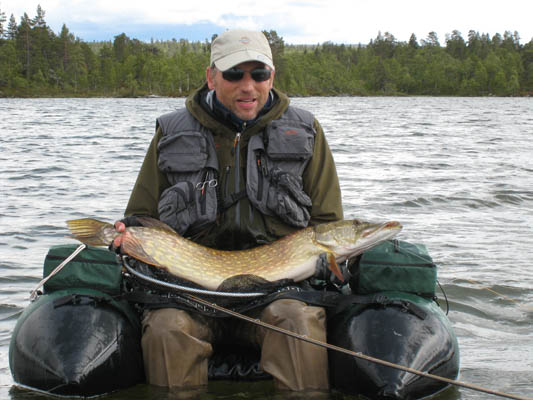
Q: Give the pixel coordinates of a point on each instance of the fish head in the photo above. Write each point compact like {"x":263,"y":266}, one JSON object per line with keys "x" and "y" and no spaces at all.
{"x":348,"y":238}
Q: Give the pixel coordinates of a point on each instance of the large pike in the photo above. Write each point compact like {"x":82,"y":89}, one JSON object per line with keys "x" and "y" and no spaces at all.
{"x":291,"y":257}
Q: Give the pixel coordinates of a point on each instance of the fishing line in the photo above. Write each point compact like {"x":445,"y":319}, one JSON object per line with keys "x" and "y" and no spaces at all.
{"x":445,"y":297}
{"x":258,"y":322}
{"x":528,"y":309}
{"x":34,"y":292}
{"x":353,"y":353}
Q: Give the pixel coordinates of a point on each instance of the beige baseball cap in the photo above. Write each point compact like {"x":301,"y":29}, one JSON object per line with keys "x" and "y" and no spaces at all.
{"x":237,"y":46}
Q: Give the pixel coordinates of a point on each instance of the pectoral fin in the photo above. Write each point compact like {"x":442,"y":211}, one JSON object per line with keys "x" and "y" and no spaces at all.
{"x":133,"y":247}
{"x":334,"y":267}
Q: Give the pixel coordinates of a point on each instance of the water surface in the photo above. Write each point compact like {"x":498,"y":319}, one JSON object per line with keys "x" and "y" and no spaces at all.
{"x":457,"y":172}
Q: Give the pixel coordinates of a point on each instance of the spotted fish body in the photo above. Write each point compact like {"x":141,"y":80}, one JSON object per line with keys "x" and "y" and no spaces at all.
{"x":292,"y":257}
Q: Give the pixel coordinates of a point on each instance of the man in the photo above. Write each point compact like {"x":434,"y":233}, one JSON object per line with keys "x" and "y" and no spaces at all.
{"x":236,"y":168}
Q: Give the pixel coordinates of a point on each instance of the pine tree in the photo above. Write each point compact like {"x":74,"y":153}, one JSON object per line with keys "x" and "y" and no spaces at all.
{"x":413,"y":42}
{"x":432,"y":40}
{"x":38,"y":21}
{"x":24,"y":43}
{"x":11,"y":33}
{"x":456,"y":45}
{"x":3,"y":19}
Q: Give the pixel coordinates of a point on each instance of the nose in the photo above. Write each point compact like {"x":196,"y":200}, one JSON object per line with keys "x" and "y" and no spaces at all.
{"x":246,"y":83}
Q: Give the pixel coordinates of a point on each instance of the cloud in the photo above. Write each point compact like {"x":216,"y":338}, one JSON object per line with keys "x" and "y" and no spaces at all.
{"x":297,"y":21}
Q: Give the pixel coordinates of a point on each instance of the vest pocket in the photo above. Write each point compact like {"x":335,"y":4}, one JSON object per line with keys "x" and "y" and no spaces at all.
{"x":182,"y":152}
{"x":287,"y":199}
{"x":190,"y":203}
{"x":289,"y":140}
{"x":176,"y":206}
{"x":274,"y":174}
{"x":188,"y":207}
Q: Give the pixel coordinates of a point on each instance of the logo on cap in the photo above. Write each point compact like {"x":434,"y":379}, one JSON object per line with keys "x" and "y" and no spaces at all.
{"x":244,"y":40}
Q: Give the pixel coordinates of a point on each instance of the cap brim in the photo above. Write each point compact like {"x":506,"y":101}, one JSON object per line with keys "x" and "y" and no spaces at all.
{"x":240,"y":57}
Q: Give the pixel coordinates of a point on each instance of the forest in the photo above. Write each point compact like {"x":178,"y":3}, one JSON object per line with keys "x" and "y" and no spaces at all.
{"x":36,"y":62}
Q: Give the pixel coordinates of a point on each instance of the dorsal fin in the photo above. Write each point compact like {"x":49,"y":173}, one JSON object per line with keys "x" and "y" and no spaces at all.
{"x":150,"y":222}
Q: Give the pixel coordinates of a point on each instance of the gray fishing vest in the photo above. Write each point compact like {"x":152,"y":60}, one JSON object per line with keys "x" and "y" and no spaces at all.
{"x":276,"y":160}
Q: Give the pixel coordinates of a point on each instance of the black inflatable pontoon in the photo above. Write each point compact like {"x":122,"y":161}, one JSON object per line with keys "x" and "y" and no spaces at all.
{"x":84,"y":342}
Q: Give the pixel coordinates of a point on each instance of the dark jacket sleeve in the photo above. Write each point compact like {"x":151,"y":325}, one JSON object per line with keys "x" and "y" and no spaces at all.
{"x":150,"y":184}
{"x":321,"y":182}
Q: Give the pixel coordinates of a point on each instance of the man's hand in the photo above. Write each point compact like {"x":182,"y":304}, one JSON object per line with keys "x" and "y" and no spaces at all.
{"x":120,"y":227}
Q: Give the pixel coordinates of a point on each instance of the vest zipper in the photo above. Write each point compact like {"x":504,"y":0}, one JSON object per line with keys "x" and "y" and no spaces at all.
{"x":226,"y":181}
{"x":262,"y":173}
{"x":259,"y":177}
{"x":237,"y":182}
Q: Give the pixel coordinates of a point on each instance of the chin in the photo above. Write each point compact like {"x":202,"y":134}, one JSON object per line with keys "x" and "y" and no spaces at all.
{"x":247,"y":116}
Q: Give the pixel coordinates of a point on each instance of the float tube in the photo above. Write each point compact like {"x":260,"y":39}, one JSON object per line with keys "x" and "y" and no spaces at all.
{"x":77,"y":343}
{"x":400,"y":328}
{"x":79,"y":337}
{"x":84,"y":340}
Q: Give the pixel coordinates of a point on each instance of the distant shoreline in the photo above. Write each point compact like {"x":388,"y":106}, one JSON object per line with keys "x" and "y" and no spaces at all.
{"x":95,"y":96}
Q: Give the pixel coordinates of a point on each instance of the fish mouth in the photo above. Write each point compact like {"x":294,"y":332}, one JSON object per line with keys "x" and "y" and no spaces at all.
{"x":393,"y":227}
{"x":371,"y":237}
{"x":377,"y":234}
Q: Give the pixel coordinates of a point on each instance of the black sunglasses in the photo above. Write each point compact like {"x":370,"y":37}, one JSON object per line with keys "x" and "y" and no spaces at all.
{"x":236,"y":74}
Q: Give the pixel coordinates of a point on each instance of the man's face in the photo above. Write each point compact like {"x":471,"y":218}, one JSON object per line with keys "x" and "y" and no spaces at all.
{"x":245,"y":97}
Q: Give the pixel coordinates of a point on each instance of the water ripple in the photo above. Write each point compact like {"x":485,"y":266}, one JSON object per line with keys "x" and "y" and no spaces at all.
{"x":455,"y":171}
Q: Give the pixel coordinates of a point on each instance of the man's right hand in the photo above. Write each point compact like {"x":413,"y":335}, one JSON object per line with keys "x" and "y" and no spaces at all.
{"x":120,"y":227}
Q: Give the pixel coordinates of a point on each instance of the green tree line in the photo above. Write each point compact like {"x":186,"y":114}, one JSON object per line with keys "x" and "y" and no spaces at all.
{"x":35,"y":61}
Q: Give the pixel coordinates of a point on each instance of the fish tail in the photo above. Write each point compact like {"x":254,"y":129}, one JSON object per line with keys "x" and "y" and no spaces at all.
{"x":91,"y":231}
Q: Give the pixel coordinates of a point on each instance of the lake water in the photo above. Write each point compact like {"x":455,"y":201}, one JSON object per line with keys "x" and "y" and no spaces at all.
{"x":457,"y":172}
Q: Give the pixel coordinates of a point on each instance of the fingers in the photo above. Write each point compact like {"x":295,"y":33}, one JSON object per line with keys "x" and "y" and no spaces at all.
{"x":120,"y":227}
{"x":117,"y":242}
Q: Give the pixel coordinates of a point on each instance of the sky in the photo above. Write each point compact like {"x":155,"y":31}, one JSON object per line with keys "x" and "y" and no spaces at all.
{"x":296,"y":21}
